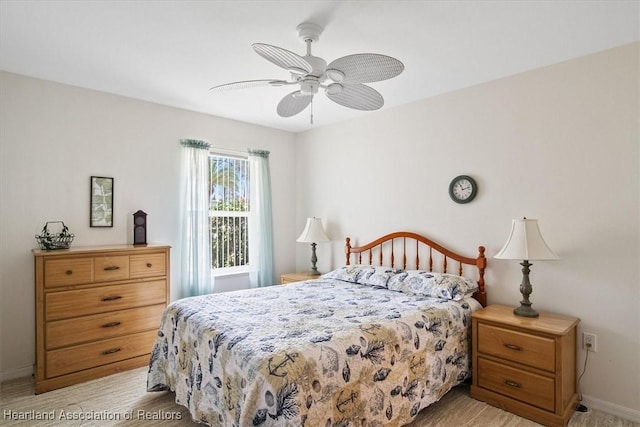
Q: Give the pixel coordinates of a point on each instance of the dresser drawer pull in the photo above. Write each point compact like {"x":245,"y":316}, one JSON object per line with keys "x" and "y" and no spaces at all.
{"x":512,"y":383}
{"x":69,"y":272}
{"x":111,"y":298}
{"x":513,"y":347}
{"x":111,"y":324}
{"x":149,"y":265}
{"x":112,"y":268}
{"x":111,"y":351}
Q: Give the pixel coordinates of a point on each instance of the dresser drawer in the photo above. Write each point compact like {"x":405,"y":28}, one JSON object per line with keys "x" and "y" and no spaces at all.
{"x":111,"y":268}
{"x":70,"y":271}
{"x":147,"y":265}
{"x":531,"y":350}
{"x":527,"y":387}
{"x":61,"y":333}
{"x":84,"y":356}
{"x":81,"y":302}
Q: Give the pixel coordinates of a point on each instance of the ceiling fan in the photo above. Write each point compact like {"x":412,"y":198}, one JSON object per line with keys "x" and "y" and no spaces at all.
{"x":342,"y":80}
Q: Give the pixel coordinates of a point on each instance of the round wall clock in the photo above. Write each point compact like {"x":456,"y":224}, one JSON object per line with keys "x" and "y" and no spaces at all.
{"x":463,"y":189}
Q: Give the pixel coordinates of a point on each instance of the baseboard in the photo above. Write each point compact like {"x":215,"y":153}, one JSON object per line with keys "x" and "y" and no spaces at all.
{"x":26,"y":371}
{"x":611,"y":408}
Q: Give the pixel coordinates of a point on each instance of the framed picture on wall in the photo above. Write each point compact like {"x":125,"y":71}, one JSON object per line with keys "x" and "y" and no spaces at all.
{"x":101,"y":210}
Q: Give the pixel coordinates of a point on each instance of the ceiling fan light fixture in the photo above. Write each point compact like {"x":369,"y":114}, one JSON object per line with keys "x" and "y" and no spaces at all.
{"x":309,"y":86}
{"x":299,"y":94}
{"x":334,"y":89}
{"x":335,"y":75}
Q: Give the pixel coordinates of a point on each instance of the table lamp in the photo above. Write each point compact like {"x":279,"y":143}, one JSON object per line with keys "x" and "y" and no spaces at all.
{"x":313,"y":233}
{"x":525,"y":243}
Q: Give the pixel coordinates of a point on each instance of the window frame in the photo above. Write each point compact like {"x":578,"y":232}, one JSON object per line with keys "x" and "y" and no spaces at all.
{"x":240,"y":269}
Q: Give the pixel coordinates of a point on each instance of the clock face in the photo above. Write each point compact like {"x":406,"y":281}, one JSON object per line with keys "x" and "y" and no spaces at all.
{"x":139,"y":220}
{"x":462,"y":189}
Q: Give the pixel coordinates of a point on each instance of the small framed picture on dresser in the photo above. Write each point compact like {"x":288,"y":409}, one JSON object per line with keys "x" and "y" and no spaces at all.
{"x":101,"y":209}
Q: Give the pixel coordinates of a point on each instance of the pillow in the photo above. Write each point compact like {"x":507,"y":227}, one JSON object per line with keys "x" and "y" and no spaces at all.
{"x":364,"y":274}
{"x":439,"y":285}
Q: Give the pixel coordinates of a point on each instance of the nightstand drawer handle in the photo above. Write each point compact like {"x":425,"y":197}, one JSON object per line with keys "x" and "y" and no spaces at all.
{"x":69,"y":272}
{"x":111,"y":298}
{"x":111,"y":351}
{"x":111,"y":268}
{"x":513,"y":347}
{"x":149,"y":265}
{"x":512,"y":383}
{"x":111,"y":324}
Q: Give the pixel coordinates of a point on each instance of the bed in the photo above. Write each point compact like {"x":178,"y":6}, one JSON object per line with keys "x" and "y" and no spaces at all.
{"x":367,"y":344}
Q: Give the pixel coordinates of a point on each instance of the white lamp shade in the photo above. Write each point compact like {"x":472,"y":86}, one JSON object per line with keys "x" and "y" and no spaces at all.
{"x":525,"y":242}
{"x":313,"y":232}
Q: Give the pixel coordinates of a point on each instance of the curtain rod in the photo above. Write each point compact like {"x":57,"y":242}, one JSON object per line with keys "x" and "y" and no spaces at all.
{"x":228,"y":151}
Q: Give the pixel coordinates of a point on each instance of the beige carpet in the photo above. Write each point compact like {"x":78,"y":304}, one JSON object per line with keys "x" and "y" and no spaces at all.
{"x":121,"y":400}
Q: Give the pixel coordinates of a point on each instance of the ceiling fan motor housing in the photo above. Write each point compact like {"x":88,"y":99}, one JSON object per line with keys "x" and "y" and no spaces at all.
{"x":318,"y":66}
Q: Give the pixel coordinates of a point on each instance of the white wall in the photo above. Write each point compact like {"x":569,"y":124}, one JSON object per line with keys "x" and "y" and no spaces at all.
{"x":54,"y":137}
{"x":559,"y":144}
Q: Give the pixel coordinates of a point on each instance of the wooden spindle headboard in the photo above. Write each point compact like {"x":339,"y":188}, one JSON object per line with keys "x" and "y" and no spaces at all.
{"x":404,"y":250}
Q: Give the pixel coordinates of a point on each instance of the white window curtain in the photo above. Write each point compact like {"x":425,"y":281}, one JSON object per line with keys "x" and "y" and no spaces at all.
{"x":196,"y":277}
{"x":261,"y":225}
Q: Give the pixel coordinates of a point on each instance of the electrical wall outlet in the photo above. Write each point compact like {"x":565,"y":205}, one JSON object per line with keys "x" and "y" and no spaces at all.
{"x":589,"y":342}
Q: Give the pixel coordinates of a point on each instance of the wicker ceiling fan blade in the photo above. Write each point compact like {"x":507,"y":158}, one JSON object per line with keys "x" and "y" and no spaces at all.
{"x":356,"y":96}
{"x":247,"y":84}
{"x":364,"y":68}
{"x":283,"y":58}
{"x":293,"y":103}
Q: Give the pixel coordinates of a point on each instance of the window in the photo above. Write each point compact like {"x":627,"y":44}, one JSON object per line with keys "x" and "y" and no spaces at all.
{"x":229,"y":212}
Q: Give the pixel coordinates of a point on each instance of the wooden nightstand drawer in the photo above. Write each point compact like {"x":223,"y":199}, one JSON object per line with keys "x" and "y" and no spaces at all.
{"x":528,"y":349}
{"x":532,"y":389}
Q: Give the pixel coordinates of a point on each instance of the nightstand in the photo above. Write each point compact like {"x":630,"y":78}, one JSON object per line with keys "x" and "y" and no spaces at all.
{"x":526,"y":365}
{"x":295,"y":277}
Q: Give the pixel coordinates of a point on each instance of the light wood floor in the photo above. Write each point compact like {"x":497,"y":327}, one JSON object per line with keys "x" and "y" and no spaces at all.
{"x":122,"y":400}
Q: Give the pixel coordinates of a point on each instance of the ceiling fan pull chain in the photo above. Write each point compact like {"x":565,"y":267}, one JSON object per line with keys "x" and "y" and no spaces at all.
{"x":311,"y":110}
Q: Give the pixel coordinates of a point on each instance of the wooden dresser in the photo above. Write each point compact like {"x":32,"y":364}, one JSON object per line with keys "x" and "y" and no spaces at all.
{"x":525,"y":365}
{"x":97,"y":310}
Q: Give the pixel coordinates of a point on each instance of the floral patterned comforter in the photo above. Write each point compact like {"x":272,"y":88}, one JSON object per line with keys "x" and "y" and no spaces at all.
{"x":316,"y":353}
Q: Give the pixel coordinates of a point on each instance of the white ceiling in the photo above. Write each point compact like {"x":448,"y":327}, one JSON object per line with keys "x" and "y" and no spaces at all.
{"x":172,"y":52}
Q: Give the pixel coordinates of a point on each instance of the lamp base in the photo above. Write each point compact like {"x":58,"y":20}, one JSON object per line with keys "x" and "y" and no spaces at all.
{"x":525,"y":311}
{"x":314,"y":270}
